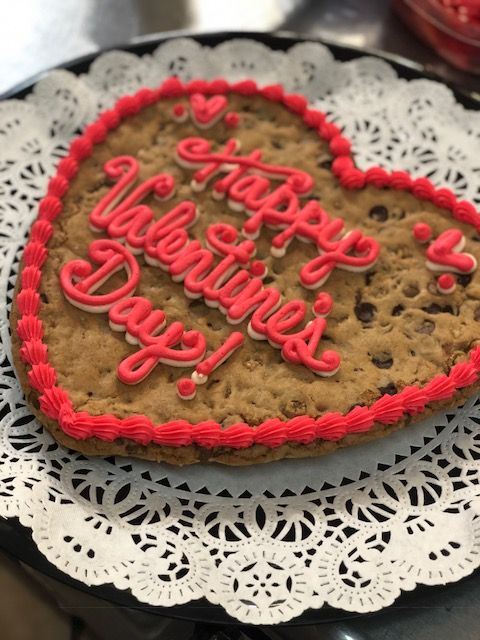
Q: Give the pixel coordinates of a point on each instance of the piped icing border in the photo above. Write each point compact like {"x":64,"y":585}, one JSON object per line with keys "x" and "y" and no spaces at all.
{"x":55,"y":402}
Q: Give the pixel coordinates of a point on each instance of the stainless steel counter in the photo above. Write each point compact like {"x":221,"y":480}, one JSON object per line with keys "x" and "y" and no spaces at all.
{"x":38,"y":34}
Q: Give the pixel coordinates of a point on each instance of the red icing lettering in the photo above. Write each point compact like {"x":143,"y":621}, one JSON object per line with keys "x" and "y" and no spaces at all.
{"x":129,"y":226}
{"x":125,"y":169}
{"x":279,"y":206}
{"x":143,"y":326}
{"x":221,"y":187}
{"x":173,"y":246}
{"x":136,"y":317}
{"x":256,"y":300}
{"x":305,"y":224}
{"x":190,"y":268}
{"x":445,"y":253}
{"x":221,"y":238}
{"x":353,"y":252}
{"x":203,"y":175}
{"x":137,"y":366}
{"x":218,"y":357}
{"x":302,"y":350}
{"x":196,"y":152}
{"x":286,"y":318}
{"x":279,"y":209}
{"x":79,"y":281}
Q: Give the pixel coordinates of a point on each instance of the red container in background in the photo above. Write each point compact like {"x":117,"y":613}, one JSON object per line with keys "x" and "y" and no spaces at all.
{"x":451,"y":27}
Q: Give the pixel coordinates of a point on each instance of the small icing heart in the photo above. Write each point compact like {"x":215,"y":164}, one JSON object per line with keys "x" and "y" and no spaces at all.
{"x":207,"y":111}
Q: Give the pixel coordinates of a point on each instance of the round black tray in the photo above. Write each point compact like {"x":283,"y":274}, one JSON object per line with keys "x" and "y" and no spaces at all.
{"x":426,"y":604}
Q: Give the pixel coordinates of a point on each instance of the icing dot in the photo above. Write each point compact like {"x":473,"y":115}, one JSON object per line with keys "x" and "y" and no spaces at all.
{"x":232,"y":119}
{"x":446,"y":283}
{"x":422,"y":231}
{"x":323,"y":304}
{"x":258,"y":269}
{"x":464,"y":279}
{"x":186,"y":388}
{"x":179,"y":112}
{"x":378,"y":213}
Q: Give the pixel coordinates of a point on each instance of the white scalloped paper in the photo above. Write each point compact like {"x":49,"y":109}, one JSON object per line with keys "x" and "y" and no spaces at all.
{"x":354,"y":529}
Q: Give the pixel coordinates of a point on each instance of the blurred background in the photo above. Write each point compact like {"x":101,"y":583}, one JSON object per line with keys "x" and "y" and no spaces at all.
{"x":35,"y":35}
{"x":39,"y":34}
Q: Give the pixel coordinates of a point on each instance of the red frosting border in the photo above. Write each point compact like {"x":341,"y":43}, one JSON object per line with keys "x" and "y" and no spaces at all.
{"x":55,"y":402}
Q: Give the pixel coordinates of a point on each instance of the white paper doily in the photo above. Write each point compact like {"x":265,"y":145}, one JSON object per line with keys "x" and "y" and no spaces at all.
{"x":352,"y":529}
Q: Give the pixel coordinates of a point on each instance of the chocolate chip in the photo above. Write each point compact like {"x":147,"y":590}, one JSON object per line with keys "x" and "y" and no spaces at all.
{"x":378,"y":213}
{"x":391,"y":389}
{"x":268,"y":280}
{"x":464,"y":279}
{"x":397,"y":310}
{"x":276,"y":144}
{"x":365,"y":311}
{"x":476,"y":238}
{"x":325,"y":164}
{"x":411,"y":290}
{"x":476,"y":314}
{"x":278,"y":267}
{"x":383,"y":360}
{"x":427,"y":327}
{"x":435,"y":308}
{"x":369,"y":277}
{"x":44,"y":298}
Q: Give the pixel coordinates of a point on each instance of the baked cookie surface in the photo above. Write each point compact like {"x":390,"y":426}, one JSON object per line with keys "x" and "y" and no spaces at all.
{"x":406,"y":347}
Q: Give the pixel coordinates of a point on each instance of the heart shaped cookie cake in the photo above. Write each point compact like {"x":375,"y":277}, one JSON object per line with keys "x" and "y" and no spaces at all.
{"x":210,"y":278}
